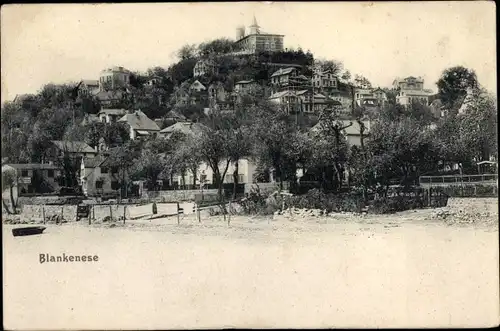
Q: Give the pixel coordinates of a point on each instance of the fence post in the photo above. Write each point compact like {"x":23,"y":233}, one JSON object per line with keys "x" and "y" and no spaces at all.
{"x":110,"y":212}
{"x":124,"y":213}
{"x":229,"y":213}
{"x":43,"y":213}
{"x":62,"y":212}
{"x":178,"y":216}
{"x":198,"y":214}
{"x":90,"y":214}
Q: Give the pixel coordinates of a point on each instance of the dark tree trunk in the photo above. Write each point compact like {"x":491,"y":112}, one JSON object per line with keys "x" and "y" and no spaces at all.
{"x":14,"y":204}
{"x":235,"y":178}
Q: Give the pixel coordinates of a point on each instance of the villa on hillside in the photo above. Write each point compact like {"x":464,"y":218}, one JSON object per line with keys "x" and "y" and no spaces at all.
{"x":257,"y":40}
{"x":140,"y":126}
{"x":411,"y":89}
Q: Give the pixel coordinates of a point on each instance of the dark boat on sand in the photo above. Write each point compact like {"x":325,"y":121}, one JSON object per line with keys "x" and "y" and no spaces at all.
{"x":28,"y":231}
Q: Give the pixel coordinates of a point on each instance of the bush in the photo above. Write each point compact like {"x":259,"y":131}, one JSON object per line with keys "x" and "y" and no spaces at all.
{"x":316,"y":199}
{"x":394,"y":204}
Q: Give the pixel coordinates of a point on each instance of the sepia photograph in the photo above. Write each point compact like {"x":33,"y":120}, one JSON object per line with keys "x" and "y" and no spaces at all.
{"x":249,"y":165}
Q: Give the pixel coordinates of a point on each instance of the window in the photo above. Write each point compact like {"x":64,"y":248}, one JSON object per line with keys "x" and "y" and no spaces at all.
{"x":104,"y":170}
{"x":115,"y":185}
{"x":24,"y":173}
{"x":50,"y":173}
{"x":98,"y":184}
{"x":240,"y":178}
{"x":114,"y":170}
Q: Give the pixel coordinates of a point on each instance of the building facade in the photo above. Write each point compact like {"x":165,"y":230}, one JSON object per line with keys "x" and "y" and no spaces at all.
{"x":98,"y":178}
{"x":114,"y":78}
{"x":204,"y":67}
{"x":257,"y":40}
{"x":411,"y":89}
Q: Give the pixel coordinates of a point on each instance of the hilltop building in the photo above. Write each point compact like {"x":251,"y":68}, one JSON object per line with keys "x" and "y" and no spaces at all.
{"x":411,"y":89}
{"x":258,"y":40}
{"x":114,"y":78}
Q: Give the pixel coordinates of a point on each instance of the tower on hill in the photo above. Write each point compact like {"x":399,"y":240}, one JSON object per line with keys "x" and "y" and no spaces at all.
{"x":258,"y":40}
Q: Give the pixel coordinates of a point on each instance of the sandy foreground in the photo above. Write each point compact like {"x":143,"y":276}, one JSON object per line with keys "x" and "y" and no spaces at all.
{"x":403,"y":270}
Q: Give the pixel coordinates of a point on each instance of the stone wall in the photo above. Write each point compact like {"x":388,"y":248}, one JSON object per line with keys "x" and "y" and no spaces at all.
{"x":474,"y":205}
{"x":68,"y":212}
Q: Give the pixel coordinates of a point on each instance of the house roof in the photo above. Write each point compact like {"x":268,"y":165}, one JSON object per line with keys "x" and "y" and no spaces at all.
{"x":175,"y":115}
{"x":139,"y":121}
{"x":73,"y":146}
{"x":281,"y":94}
{"x":197,"y":83}
{"x":94,"y":162}
{"x":184,"y":127}
{"x":33,"y":166}
{"x":118,"y":112}
{"x":282,"y":72}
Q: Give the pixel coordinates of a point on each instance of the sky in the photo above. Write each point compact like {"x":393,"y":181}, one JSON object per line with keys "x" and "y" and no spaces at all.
{"x":59,"y":43}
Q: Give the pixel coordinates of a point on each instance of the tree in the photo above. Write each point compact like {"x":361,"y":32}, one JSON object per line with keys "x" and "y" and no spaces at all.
{"x":271,"y":129}
{"x":334,"y":66}
{"x":401,"y":151}
{"x":188,"y":51}
{"x":360,"y":81}
{"x":216,"y":47}
{"x":330,"y":150}
{"x":214,"y":147}
{"x":123,"y":158}
{"x":453,"y":85}
{"x":9,"y":181}
{"x":17,"y":124}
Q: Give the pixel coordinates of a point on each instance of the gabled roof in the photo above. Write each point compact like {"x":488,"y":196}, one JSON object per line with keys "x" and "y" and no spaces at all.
{"x":281,"y":94}
{"x":175,"y":115}
{"x":139,"y":121}
{"x":184,"y":127}
{"x":93,"y":162}
{"x":73,"y":146}
{"x":116,"y":112}
{"x":197,"y":83}
{"x":282,"y":72}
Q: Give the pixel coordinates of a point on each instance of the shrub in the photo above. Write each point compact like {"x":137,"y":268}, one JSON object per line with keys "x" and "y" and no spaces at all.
{"x":387,"y":205}
{"x":316,"y":199}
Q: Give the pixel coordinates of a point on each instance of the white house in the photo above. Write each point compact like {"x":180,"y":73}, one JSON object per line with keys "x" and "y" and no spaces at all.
{"x":205,"y":175}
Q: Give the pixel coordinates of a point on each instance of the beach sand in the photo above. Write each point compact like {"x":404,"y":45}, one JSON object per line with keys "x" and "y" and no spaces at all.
{"x":402,"y":270}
